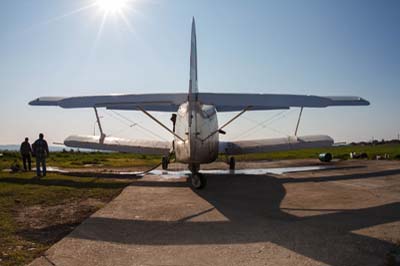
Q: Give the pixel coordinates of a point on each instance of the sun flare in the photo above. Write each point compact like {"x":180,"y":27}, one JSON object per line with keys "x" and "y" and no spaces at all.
{"x":112,"y":6}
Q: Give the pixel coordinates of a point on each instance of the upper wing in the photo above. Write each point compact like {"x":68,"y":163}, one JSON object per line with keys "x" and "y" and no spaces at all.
{"x":224,"y":102}
{"x":278,"y":144}
{"x":118,"y":144}
{"x":153,"y":102}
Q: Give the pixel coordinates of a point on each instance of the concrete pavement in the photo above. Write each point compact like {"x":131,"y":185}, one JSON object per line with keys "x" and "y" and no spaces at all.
{"x":348,"y":216}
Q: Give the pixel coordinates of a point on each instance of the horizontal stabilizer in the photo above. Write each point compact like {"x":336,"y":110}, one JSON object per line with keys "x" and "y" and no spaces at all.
{"x":278,"y":144}
{"x":118,"y":144}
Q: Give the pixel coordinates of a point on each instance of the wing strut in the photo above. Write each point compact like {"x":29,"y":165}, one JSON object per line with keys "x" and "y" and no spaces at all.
{"x":158,"y":122}
{"x":102,"y":135}
{"x":227,"y":123}
{"x":298,"y":121}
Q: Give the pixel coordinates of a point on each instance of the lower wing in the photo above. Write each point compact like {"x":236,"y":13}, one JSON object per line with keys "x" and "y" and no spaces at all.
{"x":118,"y":144}
{"x":278,"y":144}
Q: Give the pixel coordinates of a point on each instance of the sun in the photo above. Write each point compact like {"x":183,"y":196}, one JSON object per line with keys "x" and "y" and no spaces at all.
{"x":112,"y":6}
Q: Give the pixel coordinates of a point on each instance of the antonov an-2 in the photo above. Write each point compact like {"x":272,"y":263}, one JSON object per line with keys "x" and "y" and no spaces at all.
{"x":196,"y":131}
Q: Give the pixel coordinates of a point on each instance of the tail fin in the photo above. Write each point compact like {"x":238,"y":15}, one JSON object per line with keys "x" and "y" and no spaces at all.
{"x":193,"y":85}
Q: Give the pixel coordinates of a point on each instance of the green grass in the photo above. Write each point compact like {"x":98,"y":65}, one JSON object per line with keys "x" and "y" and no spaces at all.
{"x":21,"y":190}
{"x":77,"y":159}
{"x":115,"y":160}
{"x":342,"y":152}
{"x":80,"y":159}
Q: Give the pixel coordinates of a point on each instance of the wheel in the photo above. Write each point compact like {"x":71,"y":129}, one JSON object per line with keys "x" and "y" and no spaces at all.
{"x":164,"y":163}
{"x":198,"y":180}
{"x":232,"y":163}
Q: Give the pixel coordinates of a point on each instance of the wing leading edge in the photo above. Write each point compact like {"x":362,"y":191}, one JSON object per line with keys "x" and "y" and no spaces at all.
{"x":153,"y":102}
{"x":224,"y":102}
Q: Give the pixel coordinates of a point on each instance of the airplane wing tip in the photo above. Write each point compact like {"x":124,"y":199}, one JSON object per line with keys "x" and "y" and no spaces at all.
{"x":365,"y":102}
{"x":46,"y":101}
{"x":361,"y":101}
{"x":348,"y":101}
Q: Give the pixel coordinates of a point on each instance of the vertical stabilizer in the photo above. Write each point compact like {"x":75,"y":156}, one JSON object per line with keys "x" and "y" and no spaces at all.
{"x":193,"y":85}
{"x":193,"y":90}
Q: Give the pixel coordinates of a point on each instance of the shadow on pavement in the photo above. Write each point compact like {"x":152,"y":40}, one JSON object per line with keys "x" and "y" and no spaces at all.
{"x":252,"y":206}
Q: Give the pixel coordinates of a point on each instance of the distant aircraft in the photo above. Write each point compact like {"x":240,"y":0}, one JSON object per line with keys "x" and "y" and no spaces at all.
{"x":196,"y":131}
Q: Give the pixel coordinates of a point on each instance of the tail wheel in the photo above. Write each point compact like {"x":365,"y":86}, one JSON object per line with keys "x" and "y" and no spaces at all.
{"x":198,"y":180}
{"x":232,"y":163}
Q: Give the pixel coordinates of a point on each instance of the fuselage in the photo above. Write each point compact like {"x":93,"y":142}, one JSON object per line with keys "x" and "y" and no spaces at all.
{"x":197,"y":124}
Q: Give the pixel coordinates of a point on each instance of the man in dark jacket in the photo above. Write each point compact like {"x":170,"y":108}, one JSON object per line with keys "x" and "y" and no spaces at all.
{"x":26,"y":152}
{"x":41,"y":151}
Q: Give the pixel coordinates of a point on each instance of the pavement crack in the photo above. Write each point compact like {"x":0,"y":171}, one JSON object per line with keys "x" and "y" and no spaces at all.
{"x":195,"y":215}
{"x":49,"y":261}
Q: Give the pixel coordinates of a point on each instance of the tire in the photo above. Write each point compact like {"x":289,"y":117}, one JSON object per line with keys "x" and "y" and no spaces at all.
{"x":198,"y":181}
{"x":232,"y":163}
{"x":164,"y":163}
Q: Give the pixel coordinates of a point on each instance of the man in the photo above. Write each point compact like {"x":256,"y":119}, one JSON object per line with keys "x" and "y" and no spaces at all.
{"x":41,"y":151}
{"x":26,"y":152}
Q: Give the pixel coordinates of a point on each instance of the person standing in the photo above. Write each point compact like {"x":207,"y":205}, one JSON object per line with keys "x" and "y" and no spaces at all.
{"x":26,"y":152}
{"x":40,"y":151}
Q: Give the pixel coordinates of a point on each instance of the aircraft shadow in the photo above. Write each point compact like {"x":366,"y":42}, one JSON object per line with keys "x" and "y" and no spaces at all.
{"x":252,"y":206}
{"x":342,"y":177}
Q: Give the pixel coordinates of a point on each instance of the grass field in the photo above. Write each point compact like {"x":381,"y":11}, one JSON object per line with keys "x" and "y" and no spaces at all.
{"x":36,"y":213}
{"x":115,"y":160}
{"x":82,"y":159}
{"x":341,"y":152}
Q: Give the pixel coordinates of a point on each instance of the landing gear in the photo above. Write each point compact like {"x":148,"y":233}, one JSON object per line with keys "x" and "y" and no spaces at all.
{"x":232,"y":163}
{"x":166,"y":159}
{"x":165,"y":162}
{"x":197,"y":179}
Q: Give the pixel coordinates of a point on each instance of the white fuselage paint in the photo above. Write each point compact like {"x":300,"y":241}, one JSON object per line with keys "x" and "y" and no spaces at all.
{"x":196,"y":123}
{"x":199,"y":147}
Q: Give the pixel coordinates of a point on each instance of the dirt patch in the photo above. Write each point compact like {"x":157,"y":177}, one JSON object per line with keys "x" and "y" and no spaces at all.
{"x":48,"y":224}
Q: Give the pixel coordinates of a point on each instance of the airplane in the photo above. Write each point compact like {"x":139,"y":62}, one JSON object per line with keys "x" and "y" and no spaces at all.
{"x":195,"y":124}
